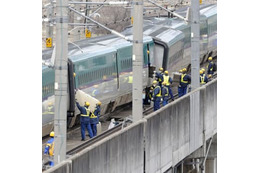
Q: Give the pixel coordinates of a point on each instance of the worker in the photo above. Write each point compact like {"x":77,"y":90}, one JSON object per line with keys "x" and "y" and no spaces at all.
{"x":85,"y":120}
{"x":203,"y":70}
{"x":150,"y":94}
{"x":157,"y":96}
{"x":49,"y":149}
{"x":165,"y":94}
{"x":95,"y":91}
{"x":168,"y":80}
{"x":209,"y":77}
{"x":179,"y":86}
{"x":185,"y":79}
{"x":203,"y":78}
{"x":159,"y":76}
{"x":50,"y":108}
{"x":94,"y":118}
{"x":210,"y":66}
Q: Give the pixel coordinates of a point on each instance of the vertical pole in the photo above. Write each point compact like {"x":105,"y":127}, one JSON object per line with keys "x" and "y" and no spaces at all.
{"x":137,"y":60}
{"x":76,"y":32}
{"x":195,"y":44}
{"x":49,"y":25}
{"x":61,"y":80}
{"x":86,"y":14}
{"x":195,"y":78}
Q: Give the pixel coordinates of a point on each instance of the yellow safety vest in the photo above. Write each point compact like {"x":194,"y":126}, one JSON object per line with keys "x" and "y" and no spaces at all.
{"x":159,"y":94}
{"x":88,"y":111}
{"x":130,"y":79}
{"x":50,"y":108}
{"x":182,"y":76}
{"x":166,"y":80}
{"x":202,"y":79}
{"x":93,"y":115}
{"x":51,"y":149}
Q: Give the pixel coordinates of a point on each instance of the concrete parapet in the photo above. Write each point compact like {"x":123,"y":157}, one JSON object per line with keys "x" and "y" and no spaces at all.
{"x":154,"y":144}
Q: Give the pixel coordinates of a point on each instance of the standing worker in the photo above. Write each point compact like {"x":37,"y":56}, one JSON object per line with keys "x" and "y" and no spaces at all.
{"x":203,"y":78}
{"x":157,"y":96}
{"x":168,"y":81}
{"x":179,"y":86}
{"x":159,"y":76}
{"x":210,"y":66}
{"x":165,"y":94}
{"x":185,"y":79}
{"x":49,"y":149}
{"x":85,"y":120}
{"x":94,"y":119}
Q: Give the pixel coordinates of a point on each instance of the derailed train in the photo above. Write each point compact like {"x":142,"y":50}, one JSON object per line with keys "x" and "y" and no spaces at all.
{"x":103,"y":65}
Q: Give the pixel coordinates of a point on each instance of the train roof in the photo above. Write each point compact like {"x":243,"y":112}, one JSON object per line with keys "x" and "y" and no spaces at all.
{"x":210,"y":11}
{"x":89,"y":51}
{"x":167,"y":35}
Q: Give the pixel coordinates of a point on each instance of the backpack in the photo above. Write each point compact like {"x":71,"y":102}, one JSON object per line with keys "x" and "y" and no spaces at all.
{"x":214,"y":67}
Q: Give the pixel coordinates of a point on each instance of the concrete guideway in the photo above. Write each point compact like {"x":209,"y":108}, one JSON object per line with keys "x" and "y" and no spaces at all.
{"x":155,"y":143}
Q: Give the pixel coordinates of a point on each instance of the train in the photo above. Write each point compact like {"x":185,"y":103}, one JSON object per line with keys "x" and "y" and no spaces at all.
{"x":103,"y":65}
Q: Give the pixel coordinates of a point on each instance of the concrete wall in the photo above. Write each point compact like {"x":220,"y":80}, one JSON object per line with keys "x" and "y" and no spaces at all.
{"x":166,"y":136}
{"x":174,"y":131}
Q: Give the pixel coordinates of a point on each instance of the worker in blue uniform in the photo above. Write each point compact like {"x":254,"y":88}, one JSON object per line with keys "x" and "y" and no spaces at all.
{"x":210,"y":66}
{"x":185,"y":79}
{"x":203,"y":78}
{"x":85,"y":120}
{"x":165,"y":94}
{"x":49,"y":149}
{"x":157,"y":96}
{"x":179,"y":86}
{"x":168,"y":81}
{"x":94,"y":119}
{"x":159,"y":76}
{"x":94,"y":91}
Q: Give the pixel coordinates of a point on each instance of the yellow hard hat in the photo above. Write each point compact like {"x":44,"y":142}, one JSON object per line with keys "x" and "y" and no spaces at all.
{"x":52,"y":134}
{"x":210,"y":76}
{"x":166,"y":72}
{"x":74,"y":74}
{"x":99,"y":103}
{"x":203,"y":69}
{"x":161,"y":69}
{"x":210,"y":58}
{"x":50,"y":103}
{"x":184,"y":70}
{"x":201,"y":72}
{"x":154,"y":82}
{"x":148,"y":51}
{"x":87,"y":103}
{"x":180,"y":71}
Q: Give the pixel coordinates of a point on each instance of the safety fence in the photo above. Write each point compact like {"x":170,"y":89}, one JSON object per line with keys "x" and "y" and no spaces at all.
{"x":155,"y":143}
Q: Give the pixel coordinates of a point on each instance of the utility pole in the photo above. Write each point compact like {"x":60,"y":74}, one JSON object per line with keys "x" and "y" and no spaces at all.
{"x":49,"y":24}
{"x":61,"y":81}
{"x":195,"y":76}
{"x":137,"y":60}
{"x":195,"y":44}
